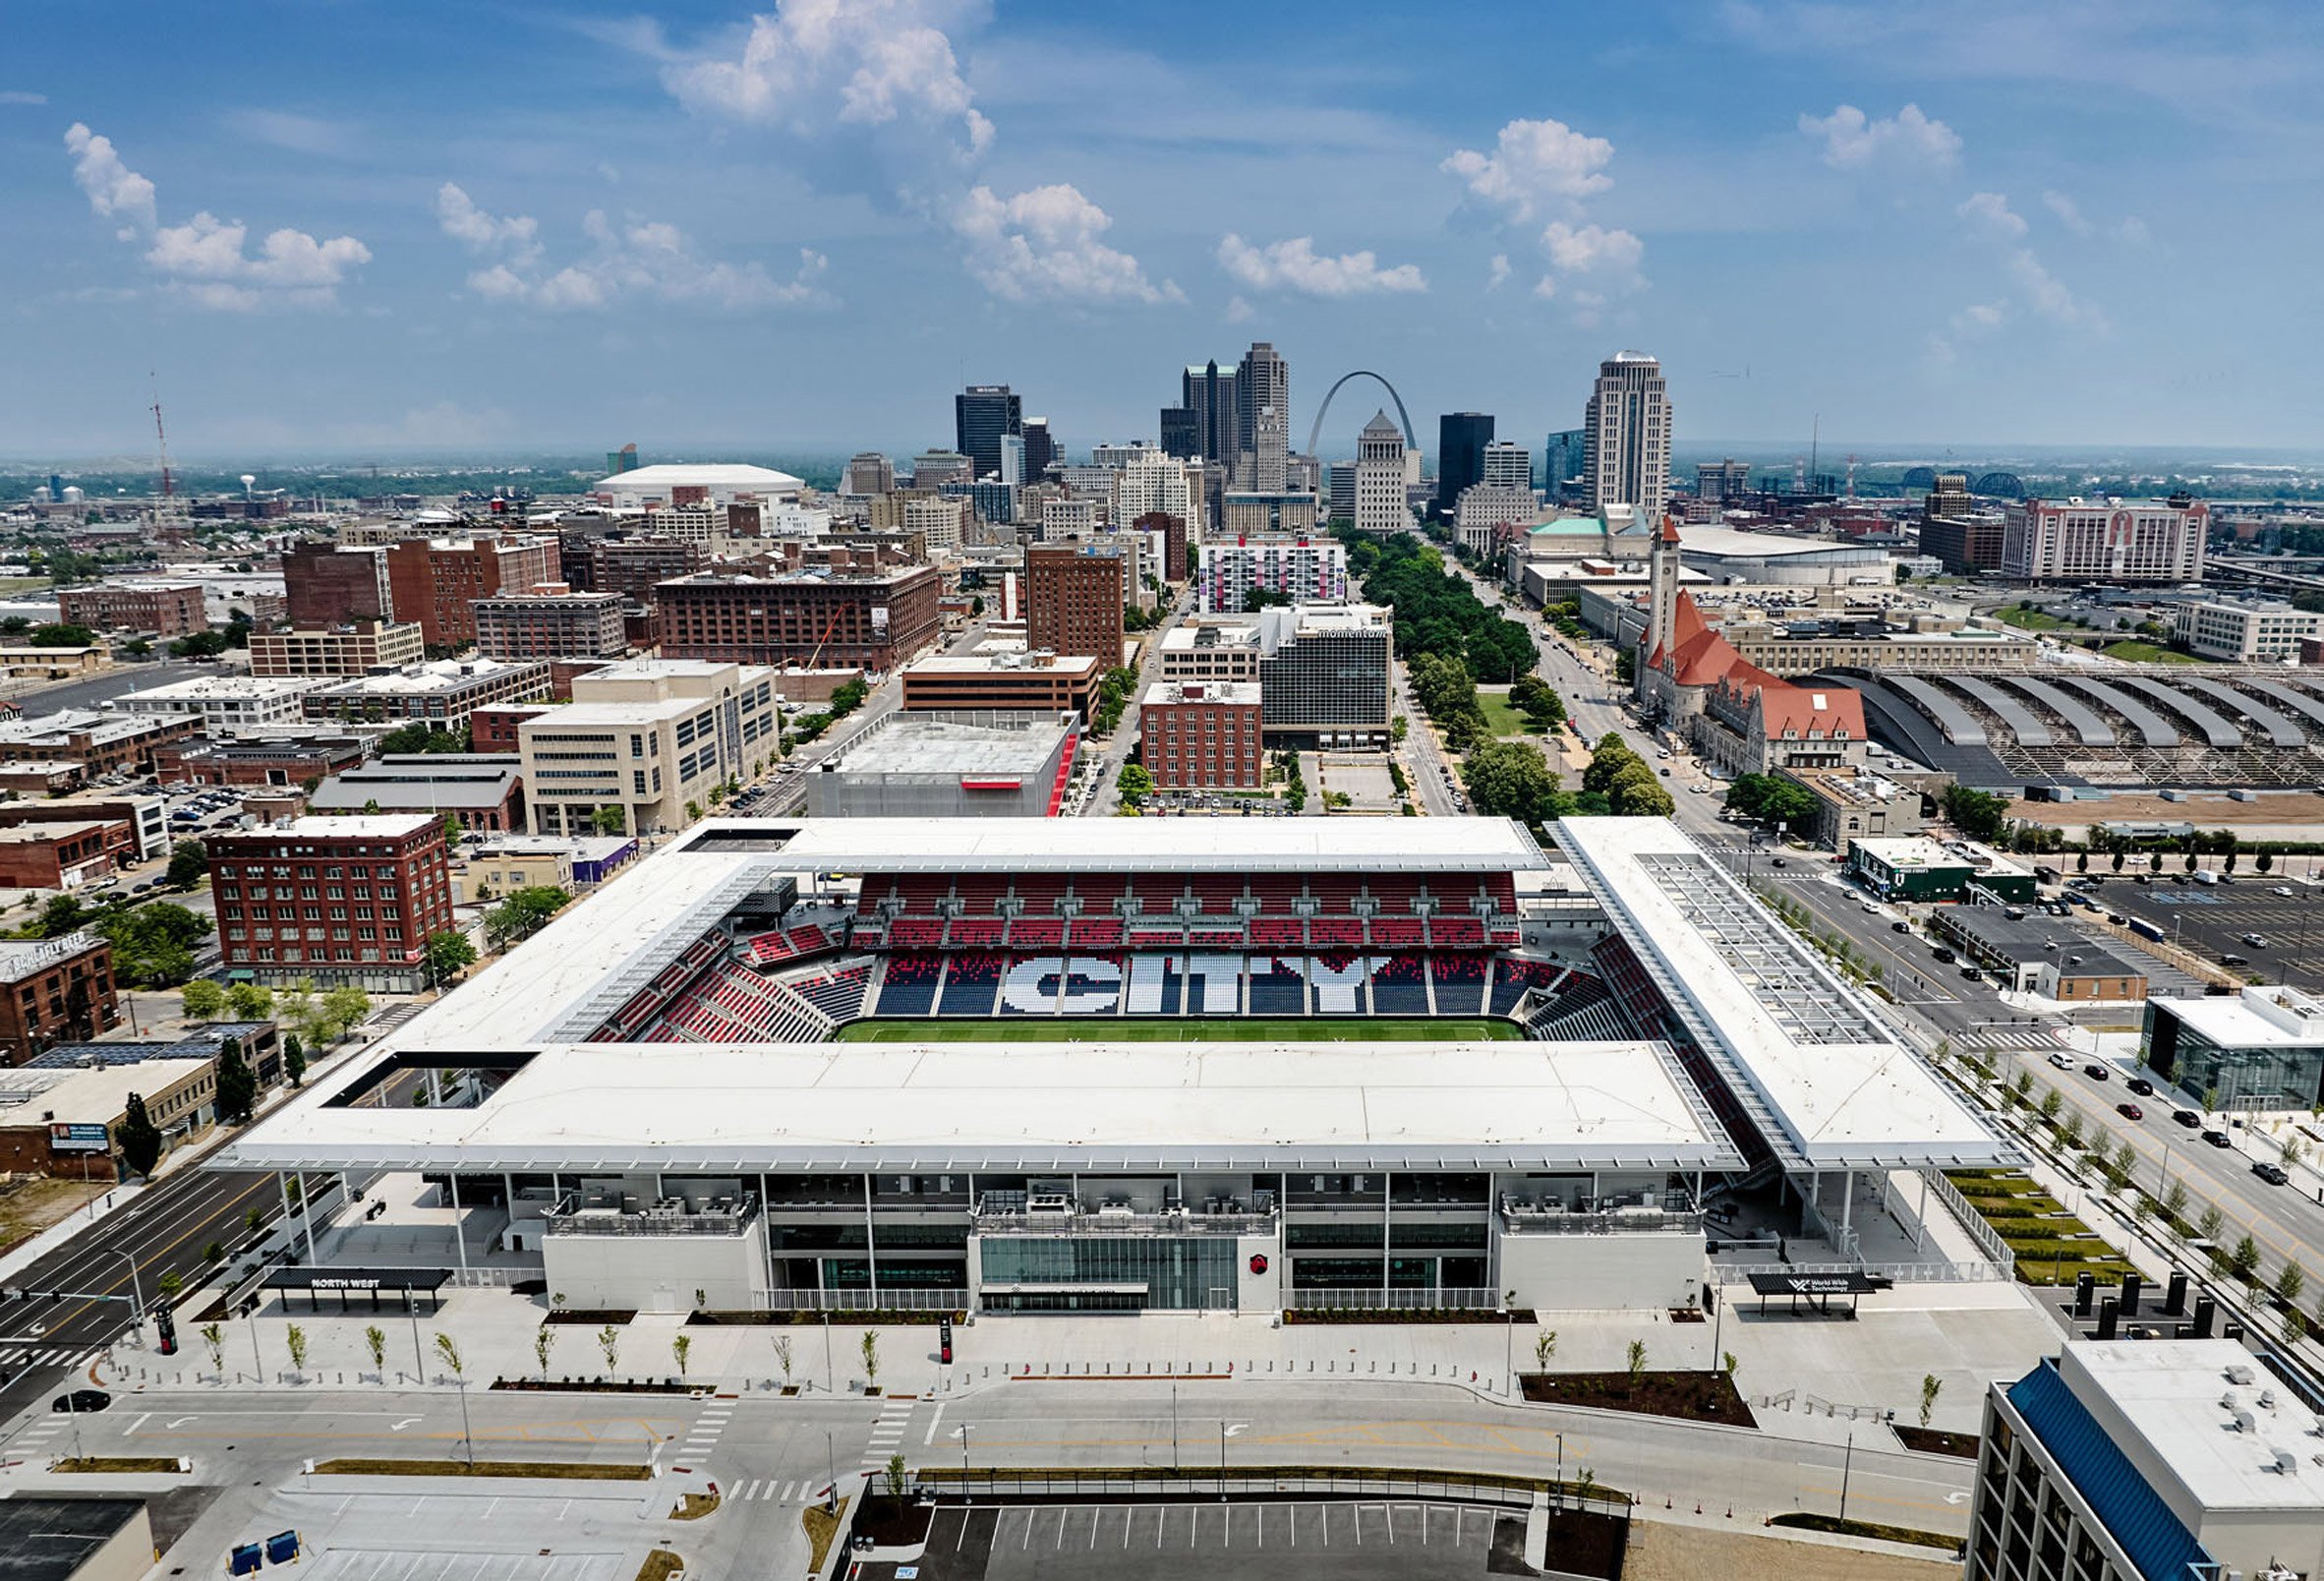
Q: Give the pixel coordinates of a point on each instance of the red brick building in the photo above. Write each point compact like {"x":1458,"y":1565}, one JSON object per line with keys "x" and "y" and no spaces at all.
{"x":634,"y":567}
{"x":61,"y":855}
{"x":1175,"y":566}
{"x":1073,"y":598}
{"x":437,"y":581}
{"x":55,"y":991}
{"x":877,"y":621}
{"x":166,"y":608}
{"x":1201,"y":734}
{"x":337,"y":900}
{"x":119,"y":818}
{"x":551,"y":626}
{"x":327,"y":585}
{"x":493,"y":728}
{"x":260,"y":762}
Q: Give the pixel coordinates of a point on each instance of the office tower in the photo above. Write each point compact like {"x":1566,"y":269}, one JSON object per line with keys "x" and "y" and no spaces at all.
{"x":1340,"y":490}
{"x":438,"y":581}
{"x":1268,"y":465}
{"x":1263,"y":384}
{"x":869,"y":473}
{"x":1206,"y":394}
{"x":1011,"y":468}
{"x":1040,"y":448}
{"x":981,"y":414}
{"x":1562,"y":464}
{"x":1626,"y":436}
{"x":1113,"y":457}
{"x":1461,"y":439}
{"x":1073,"y":593}
{"x":1507,"y":465}
{"x":622,"y":460}
{"x":1178,"y":435}
{"x":1724,"y":482}
{"x":2104,"y":540}
{"x":335,"y":584}
{"x":1150,"y":481}
{"x":934,"y":469}
{"x":1379,"y":478}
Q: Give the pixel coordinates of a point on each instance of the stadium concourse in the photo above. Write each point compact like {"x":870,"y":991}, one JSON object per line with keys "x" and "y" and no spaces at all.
{"x":1277,"y":1093}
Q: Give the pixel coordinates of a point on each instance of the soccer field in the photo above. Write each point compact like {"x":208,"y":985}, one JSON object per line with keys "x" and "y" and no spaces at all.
{"x":1235,"y":1030}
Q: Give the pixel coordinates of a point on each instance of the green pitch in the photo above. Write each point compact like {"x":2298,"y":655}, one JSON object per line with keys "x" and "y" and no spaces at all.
{"x":1230,"y":1029}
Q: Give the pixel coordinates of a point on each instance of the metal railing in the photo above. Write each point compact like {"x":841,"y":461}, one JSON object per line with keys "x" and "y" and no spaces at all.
{"x":1399,"y":1300}
{"x":1132,"y":1224}
{"x":1988,"y":1239}
{"x":1964,"y":1272}
{"x":1618,"y":1221}
{"x":569,"y":1218}
{"x":941,"y":1300}
{"x":1265,"y":1482}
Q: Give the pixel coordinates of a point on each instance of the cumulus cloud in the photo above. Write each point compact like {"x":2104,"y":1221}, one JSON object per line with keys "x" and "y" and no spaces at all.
{"x":1853,"y":141}
{"x":115,"y":192}
{"x":1991,"y":217}
{"x":2130,"y":230}
{"x":207,"y":259}
{"x":1990,"y":212}
{"x":1499,"y":272}
{"x":810,"y":63}
{"x":630,"y":257}
{"x":1295,"y":266}
{"x":2068,"y":212}
{"x":1534,"y":164}
{"x":17,"y":95}
{"x":1593,"y":250}
{"x":1047,"y":243}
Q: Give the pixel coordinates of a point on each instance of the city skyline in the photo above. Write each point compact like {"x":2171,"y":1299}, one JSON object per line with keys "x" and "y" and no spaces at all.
{"x":1833,"y":211}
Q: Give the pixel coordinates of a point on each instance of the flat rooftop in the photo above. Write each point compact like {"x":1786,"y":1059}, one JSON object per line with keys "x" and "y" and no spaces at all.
{"x":848,"y":1106}
{"x":2257,"y":1018}
{"x":1012,"y":660}
{"x":910,"y":744}
{"x":442,"y":676}
{"x":2168,"y":1397}
{"x":204,"y":688}
{"x":1143,"y":845}
{"x":1824,"y":1079}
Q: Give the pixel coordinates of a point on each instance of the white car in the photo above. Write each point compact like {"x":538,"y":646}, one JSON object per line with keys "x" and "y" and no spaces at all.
{"x":2063,"y":1062}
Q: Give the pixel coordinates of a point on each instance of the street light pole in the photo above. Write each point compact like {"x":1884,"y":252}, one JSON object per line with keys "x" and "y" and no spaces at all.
{"x":1847,"y":1463}
{"x":137,"y":1294}
{"x":467,"y":1436}
{"x":831,"y":1465}
{"x":964,"y":1457}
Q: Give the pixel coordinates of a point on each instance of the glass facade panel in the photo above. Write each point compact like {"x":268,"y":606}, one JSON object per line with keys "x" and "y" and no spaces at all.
{"x":1180,"y":1272}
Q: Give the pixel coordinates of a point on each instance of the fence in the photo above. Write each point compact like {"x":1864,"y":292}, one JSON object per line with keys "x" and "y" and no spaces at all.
{"x":948,"y":1299}
{"x":1415,"y":1300}
{"x":1988,"y":1239}
{"x":1969,"y":1272}
{"x":1267,"y":1482}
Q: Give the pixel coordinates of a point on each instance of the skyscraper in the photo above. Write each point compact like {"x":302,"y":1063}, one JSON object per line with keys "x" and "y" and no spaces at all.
{"x":1012,"y":470}
{"x":1626,"y":436}
{"x":1269,"y":461}
{"x":1461,"y":439}
{"x":981,"y":414}
{"x":869,"y":473}
{"x":1040,"y":448}
{"x":1507,"y":466}
{"x":1207,"y":406}
{"x":1721,"y":482}
{"x":1073,"y":597}
{"x":1180,"y":436}
{"x":1263,"y":384}
{"x":1562,"y":463}
{"x":1379,"y":478}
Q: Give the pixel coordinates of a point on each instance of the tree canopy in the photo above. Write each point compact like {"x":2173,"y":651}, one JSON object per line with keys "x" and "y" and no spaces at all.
{"x":524,"y":913}
{"x":1979,"y":814}
{"x":1769,"y":799}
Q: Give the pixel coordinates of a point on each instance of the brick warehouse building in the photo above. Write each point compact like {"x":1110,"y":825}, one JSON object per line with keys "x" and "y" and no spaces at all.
{"x":876,"y":621}
{"x":551,"y":626}
{"x":1073,"y":598}
{"x":437,"y":581}
{"x":1202,"y":736}
{"x":166,"y":608}
{"x":54,"y":991}
{"x":327,"y":585}
{"x":337,"y":900}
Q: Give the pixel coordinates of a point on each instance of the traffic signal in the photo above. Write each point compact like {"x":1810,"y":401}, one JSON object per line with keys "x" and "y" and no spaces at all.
{"x":56,"y":1298}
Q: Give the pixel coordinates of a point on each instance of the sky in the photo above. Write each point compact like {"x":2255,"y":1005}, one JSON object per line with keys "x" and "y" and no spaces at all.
{"x":348,"y":226}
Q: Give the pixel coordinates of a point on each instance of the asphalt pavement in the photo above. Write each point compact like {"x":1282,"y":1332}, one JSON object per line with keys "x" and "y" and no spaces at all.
{"x":123,"y":678}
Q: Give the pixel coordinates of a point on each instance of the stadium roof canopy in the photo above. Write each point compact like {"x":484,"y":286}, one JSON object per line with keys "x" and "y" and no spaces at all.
{"x":1141,"y":844}
{"x":1829,"y":1084}
{"x":1050,"y":1108}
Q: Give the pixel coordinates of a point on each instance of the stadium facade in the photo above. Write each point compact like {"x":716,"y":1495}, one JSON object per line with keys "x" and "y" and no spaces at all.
{"x":654,"y":1104}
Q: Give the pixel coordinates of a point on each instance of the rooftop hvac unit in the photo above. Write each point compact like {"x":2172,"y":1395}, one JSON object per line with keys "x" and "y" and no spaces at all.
{"x":2285,"y":1462}
{"x":2240,"y":1374}
{"x":2246,"y":1421}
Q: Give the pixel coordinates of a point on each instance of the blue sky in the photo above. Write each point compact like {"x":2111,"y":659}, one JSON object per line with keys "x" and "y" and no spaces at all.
{"x":338,"y":225}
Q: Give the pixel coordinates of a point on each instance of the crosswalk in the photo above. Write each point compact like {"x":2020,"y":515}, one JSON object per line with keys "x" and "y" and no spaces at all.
{"x":2030,"y":1037}
{"x":776,"y":1491}
{"x":55,"y":1356}
{"x":708,"y":1428}
{"x":887,"y":1434}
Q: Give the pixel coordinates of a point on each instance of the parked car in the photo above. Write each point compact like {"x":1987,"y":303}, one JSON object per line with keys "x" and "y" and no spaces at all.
{"x":1943,"y":952}
{"x":2257,"y":941}
{"x":2273,"y":1174}
{"x":2187,"y":1118}
{"x":2096,"y":1072}
{"x":2142,"y":1086}
{"x":2129,"y":1111}
{"x":2282,"y":892}
{"x":2216,"y":1138}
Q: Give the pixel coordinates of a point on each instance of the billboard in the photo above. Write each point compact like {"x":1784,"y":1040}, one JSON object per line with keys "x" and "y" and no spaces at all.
{"x":69,"y":1138}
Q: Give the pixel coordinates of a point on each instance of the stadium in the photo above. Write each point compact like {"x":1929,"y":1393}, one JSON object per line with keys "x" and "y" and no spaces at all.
{"x":1125,"y":1064}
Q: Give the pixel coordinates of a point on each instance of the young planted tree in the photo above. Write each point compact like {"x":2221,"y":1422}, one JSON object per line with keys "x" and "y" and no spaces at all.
{"x":2243,"y":1261}
{"x":447,"y":1351}
{"x":2211,"y":1221}
{"x":870,"y":1347}
{"x":895,"y":1478}
{"x":682,"y":1346}
{"x":609,"y":1341}
{"x":2052,"y":1101}
{"x":1637,"y":1358}
{"x":1930,"y":1387}
{"x":214,"y":1340}
{"x":294,"y":1339}
{"x":2174,"y":1205}
{"x":2290,"y":1280}
{"x":1545,"y":1348}
{"x":782,"y":1357}
{"x":544,"y":1341}
{"x":375,"y":1340}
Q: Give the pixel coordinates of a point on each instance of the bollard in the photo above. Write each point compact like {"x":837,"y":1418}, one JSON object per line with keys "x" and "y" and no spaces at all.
{"x":1697,"y":1506}
{"x":1730,"y":1512}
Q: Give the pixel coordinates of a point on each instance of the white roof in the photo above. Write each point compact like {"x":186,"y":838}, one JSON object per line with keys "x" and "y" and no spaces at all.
{"x":353,"y":826}
{"x":1827,"y":1083}
{"x":2166,"y":1397}
{"x":1449,"y":1105}
{"x":204,"y":687}
{"x":92,"y":1094}
{"x":1732,"y":543}
{"x":2240,"y":1021}
{"x":1187,"y":844}
{"x":722,"y":475}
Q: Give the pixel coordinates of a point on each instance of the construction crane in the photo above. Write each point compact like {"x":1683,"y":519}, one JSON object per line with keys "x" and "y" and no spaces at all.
{"x":169,"y":482}
{"x":829,"y":628}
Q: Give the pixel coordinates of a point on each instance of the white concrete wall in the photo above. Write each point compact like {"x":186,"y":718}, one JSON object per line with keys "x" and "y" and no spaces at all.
{"x":1599,"y":1272}
{"x":1258,"y":1292}
{"x":657,"y":1272}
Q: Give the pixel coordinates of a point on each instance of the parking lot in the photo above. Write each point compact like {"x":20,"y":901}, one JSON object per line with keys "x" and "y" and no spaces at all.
{"x":2221,"y":919}
{"x":1351,"y":1541}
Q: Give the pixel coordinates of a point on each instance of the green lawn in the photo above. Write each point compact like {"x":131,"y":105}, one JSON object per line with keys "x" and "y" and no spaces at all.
{"x":2029,"y":619}
{"x":1128,"y":1030}
{"x":2148,"y":653}
{"x":1501,"y":719}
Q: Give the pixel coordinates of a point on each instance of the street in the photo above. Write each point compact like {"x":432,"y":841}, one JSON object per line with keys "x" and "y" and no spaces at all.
{"x":115,"y":682}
